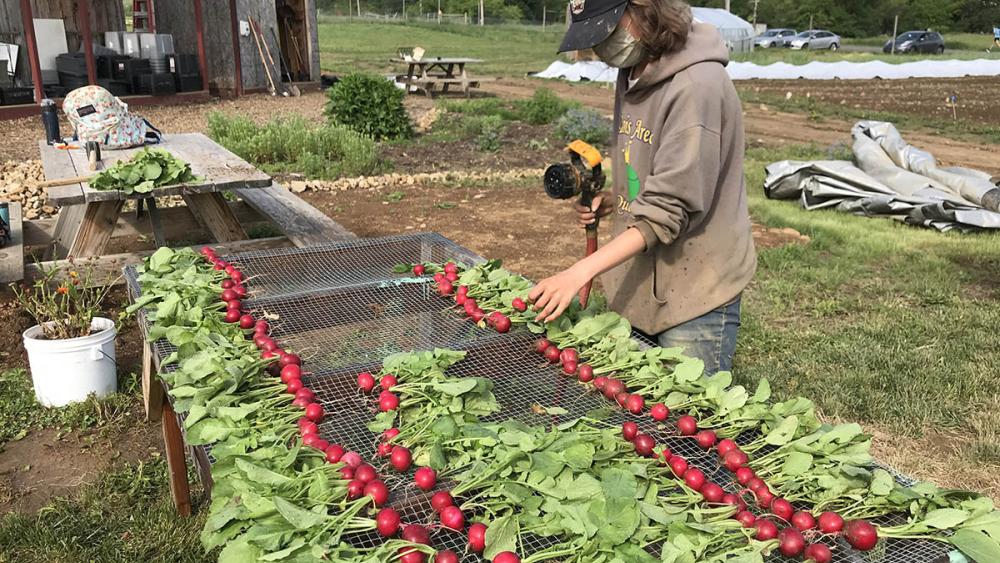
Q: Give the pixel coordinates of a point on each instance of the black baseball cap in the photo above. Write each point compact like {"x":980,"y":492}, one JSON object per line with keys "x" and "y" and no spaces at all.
{"x":592,"y":21}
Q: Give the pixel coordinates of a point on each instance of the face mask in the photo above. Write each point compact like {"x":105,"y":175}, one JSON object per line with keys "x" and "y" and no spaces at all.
{"x":620,"y":49}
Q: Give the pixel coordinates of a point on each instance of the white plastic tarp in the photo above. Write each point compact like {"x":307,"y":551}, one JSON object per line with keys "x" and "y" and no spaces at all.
{"x":890,"y":178}
{"x":845,"y":70}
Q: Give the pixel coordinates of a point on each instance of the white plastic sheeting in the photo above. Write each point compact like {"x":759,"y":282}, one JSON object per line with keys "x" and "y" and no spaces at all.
{"x":597,"y":71}
{"x":890,"y":178}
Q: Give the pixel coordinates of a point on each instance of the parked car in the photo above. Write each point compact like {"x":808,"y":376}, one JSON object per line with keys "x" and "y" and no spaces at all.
{"x":815,"y":39}
{"x":777,"y":37}
{"x":916,"y":42}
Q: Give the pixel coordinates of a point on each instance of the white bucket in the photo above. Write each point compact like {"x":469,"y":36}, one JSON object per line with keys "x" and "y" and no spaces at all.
{"x":67,"y":371}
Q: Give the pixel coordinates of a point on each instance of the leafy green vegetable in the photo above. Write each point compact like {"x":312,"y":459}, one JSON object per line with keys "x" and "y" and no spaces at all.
{"x":146,"y":170}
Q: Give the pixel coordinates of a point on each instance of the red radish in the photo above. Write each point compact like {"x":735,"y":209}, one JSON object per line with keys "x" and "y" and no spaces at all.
{"x":782,"y":509}
{"x":305,"y":393}
{"x":383,"y":450}
{"x":310,"y":440}
{"x":585,"y":373}
{"x":441,"y":500}
{"x":270,"y":346}
{"x":260,"y":339}
{"x":229,"y":295}
{"x":830,"y":523}
{"x":766,"y":529}
{"x":635,"y":404}
{"x":352,"y":459}
{"x":712,"y":493}
{"x":438,"y":277}
{"x":818,"y":553}
{"x":621,"y":398}
{"x":425,"y":478}
{"x":731,"y":500}
{"x":462,"y":290}
{"x":365,"y":473}
{"x":390,"y":434}
{"x":355,"y":489}
{"x":725,"y":446}
{"x":227,"y":284}
{"x":387,"y":401}
{"x":477,"y":315}
{"x":552,"y":354}
{"x":388,"y":382}
{"x":687,"y":425}
{"x":477,"y":537}
{"x":241,"y":291}
{"x":452,"y":518}
{"x":659,"y":412}
{"x":506,"y":557}
{"x":230,"y":269}
{"x":600,"y":382}
{"x":705,"y":438}
{"x":309,"y":428}
{"x":613,"y":387}
{"x":450,"y":268}
{"x":400,"y":458}
{"x":300,"y":402}
{"x":445,"y":288}
{"x":387,"y":522}
{"x":569,"y":368}
{"x":334,"y":453}
{"x":221,"y":265}
{"x":469,"y":305}
{"x":347,"y":473}
{"x":460,"y":299}
{"x":644,"y":445}
{"x":803,"y":520}
{"x":790,"y":542}
{"x":419,"y":270}
{"x":293,"y":386}
{"x":262,"y":325}
{"x":236,"y":276}
{"x":321,"y":445}
{"x":629,"y":430}
{"x":314,"y":412}
{"x":666,"y":454}
{"x":290,"y":359}
{"x":694,"y":478}
{"x":416,"y":534}
{"x":446,"y":556}
{"x":290,"y":371}
{"x":246,"y":322}
{"x":861,"y":534}
{"x":764,"y":497}
{"x":745,"y":518}
{"x":378,"y":491}
{"x":411,"y":555}
{"x":492,"y":318}
{"x":678,"y":465}
{"x":735,"y":459}
{"x":744,"y":475}
{"x":519,"y":305}
{"x":234,"y":305}
{"x":755,"y":484}
{"x":502,"y":324}
{"x":568,"y":355}
{"x":541,"y":345}
{"x":366,"y":382}
{"x":232,"y":316}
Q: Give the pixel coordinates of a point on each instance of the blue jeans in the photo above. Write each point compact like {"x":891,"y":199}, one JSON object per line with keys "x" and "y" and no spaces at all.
{"x":710,"y":337}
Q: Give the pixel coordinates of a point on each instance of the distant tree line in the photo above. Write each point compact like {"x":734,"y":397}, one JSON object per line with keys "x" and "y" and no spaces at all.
{"x":852,"y":18}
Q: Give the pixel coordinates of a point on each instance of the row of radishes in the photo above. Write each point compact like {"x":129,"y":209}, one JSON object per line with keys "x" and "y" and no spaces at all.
{"x":446,"y":287}
{"x":792,"y":542}
{"x":425,"y":478}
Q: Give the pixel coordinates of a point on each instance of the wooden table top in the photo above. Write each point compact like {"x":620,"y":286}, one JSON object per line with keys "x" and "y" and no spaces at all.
{"x":438,"y":60}
{"x":216,"y":168}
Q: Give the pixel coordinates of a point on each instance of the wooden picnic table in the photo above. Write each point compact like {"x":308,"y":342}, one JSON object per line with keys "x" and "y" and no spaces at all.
{"x":87,"y":217}
{"x":429,"y":73}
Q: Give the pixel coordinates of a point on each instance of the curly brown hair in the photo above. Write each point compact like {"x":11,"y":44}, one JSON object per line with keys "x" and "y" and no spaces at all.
{"x":661,"y":26}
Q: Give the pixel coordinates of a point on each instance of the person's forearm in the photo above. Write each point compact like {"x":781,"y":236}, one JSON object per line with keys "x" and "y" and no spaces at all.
{"x":620,"y":249}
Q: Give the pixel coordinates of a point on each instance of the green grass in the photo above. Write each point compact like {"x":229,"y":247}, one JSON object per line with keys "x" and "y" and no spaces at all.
{"x":876,"y":321}
{"x":127,"y":516}
{"x":769,"y":56}
{"x":818,"y":111}
{"x":952,"y":41}
{"x":20,"y":413}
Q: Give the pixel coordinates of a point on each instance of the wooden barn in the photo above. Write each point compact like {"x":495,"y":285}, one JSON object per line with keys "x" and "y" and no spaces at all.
{"x":234,"y":46}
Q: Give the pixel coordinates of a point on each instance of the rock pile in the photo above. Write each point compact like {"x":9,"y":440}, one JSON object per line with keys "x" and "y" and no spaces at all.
{"x":399,"y":180}
{"x":19,"y":182}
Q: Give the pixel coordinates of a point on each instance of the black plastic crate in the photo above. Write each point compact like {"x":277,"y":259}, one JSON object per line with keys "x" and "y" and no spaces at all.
{"x":127,"y":68}
{"x":185,"y":65}
{"x":156,"y":84}
{"x":116,"y":87}
{"x":71,"y":64}
{"x":72,"y":81}
{"x":14,"y":96}
{"x":188,"y":82}
{"x":108,"y":64}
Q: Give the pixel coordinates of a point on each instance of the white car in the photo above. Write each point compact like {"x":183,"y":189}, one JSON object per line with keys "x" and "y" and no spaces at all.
{"x":777,"y":37}
{"x":815,"y":39}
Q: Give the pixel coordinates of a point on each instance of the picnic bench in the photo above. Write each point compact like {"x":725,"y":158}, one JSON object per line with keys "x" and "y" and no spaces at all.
{"x":88,"y":219}
{"x":427,"y":74}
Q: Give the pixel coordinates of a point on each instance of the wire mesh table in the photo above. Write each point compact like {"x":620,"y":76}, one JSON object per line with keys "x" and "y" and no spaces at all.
{"x":341,"y":307}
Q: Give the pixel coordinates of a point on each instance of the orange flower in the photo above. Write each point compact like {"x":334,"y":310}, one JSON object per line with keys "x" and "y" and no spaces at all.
{"x":73,"y":274}
{"x":62,"y":290}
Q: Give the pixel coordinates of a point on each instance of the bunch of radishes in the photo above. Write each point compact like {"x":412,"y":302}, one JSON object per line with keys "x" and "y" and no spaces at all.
{"x":446,"y":281}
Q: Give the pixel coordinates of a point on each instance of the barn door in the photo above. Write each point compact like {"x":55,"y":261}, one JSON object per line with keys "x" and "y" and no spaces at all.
{"x":293,"y":37}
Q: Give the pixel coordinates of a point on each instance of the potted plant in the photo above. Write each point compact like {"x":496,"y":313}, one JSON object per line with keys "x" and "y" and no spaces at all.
{"x":71,"y":349}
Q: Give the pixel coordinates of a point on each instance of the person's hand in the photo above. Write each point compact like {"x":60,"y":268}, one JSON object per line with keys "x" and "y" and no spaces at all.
{"x":553,"y":294}
{"x":600,"y":207}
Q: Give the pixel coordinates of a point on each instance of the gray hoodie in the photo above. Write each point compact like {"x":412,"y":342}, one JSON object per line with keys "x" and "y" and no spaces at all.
{"x":677,"y":164}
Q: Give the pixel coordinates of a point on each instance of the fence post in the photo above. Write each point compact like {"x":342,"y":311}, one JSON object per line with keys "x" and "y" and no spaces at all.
{"x":543,"y":17}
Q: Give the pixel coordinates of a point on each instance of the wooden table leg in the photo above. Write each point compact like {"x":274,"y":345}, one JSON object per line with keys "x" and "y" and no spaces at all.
{"x":449,"y":73}
{"x":95,"y":230}
{"x":68,"y":222}
{"x":173,"y":442}
{"x":152,"y":390}
{"x":154,"y":222}
{"x":465,"y":80}
{"x":214,"y":214}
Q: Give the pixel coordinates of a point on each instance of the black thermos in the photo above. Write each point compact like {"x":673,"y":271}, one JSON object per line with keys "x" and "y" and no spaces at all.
{"x":50,"y":119}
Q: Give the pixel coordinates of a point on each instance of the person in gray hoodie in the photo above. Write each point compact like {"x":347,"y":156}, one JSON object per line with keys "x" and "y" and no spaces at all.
{"x":682,"y":251}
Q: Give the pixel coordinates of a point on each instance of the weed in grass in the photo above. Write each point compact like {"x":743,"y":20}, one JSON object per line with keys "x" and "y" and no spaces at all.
{"x":445,"y":205}
{"x":544,"y":107}
{"x":538,"y":144}
{"x":490,"y":137}
{"x":585,"y":124}
{"x":292,"y":144}
{"x":370,"y":105}
{"x":125,"y":517}
{"x":395,"y":197}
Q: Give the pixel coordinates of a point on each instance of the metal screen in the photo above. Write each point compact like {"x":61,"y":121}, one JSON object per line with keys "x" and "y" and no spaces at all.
{"x":341,"y":307}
